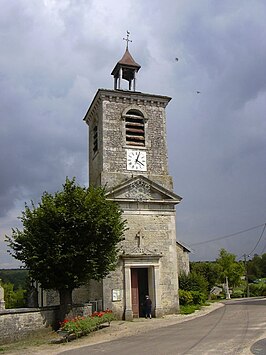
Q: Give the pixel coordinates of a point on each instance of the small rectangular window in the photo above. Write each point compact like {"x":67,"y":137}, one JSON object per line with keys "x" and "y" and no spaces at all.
{"x":95,"y":139}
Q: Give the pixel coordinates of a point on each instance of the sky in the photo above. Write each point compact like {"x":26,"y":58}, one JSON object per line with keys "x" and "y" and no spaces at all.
{"x":208,"y":55}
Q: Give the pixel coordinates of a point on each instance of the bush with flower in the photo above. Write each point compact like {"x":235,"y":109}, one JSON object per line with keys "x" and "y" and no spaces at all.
{"x":85,"y":325}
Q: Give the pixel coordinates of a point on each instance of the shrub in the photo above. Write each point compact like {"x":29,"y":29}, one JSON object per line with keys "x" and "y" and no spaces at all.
{"x":237,"y":293}
{"x":193,"y":282}
{"x":198,"y":297}
{"x":257,"y":289}
{"x":185,"y":297}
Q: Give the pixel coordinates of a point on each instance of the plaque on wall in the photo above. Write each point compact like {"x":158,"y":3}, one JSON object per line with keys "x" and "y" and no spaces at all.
{"x":116,"y":295}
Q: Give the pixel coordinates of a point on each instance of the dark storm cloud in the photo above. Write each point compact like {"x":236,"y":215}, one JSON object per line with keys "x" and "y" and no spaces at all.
{"x":55,"y":55}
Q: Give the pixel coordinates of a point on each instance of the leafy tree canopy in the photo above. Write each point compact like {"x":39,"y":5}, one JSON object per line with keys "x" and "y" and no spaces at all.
{"x":257,"y":267}
{"x":18,"y":277}
{"x":229,"y":268}
{"x":70,"y":237}
{"x":209,"y":270}
{"x":193,"y":282}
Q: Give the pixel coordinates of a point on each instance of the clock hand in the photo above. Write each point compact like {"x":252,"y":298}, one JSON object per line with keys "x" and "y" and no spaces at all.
{"x":137,"y":159}
{"x":139,"y":162}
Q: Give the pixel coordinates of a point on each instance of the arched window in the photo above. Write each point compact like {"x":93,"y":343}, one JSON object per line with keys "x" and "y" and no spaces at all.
{"x":135,"y":129}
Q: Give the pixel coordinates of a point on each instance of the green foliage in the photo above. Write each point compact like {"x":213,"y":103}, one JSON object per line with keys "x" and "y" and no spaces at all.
{"x":209,"y":270}
{"x":256,"y":268}
{"x":69,"y":237}
{"x":237,"y":293}
{"x":191,"y":297}
{"x":257,"y":289}
{"x":230,"y":268}
{"x":193,"y":282}
{"x":85,"y":325}
{"x":13,"y":298}
{"x":188,"y":309}
{"x":18,"y":277}
{"x":198,"y":297}
{"x":185,"y":297}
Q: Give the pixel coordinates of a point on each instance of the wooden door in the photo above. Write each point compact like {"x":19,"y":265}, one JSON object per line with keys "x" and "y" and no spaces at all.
{"x":135,"y":292}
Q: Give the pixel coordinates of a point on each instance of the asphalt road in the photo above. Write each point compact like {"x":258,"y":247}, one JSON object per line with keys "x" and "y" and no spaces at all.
{"x":237,"y":328}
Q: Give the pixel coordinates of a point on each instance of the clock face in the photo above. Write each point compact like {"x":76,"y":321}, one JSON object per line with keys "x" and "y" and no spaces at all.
{"x":136,"y":160}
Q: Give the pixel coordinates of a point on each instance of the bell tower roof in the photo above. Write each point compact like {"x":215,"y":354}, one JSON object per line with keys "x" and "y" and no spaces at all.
{"x":126,"y":60}
{"x":126,"y":69}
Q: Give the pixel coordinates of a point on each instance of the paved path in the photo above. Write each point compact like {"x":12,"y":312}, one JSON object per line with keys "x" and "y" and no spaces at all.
{"x":117,"y":330}
{"x":237,"y":328}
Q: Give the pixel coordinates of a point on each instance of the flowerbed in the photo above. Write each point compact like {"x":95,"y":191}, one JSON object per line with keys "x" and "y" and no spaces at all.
{"x":80,"y":326}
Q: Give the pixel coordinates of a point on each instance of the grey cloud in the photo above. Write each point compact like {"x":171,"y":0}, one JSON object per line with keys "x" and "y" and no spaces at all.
{"x":56,"y":55}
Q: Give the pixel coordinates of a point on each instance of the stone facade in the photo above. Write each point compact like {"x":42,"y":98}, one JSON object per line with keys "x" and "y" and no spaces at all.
{"x":107,"y":166}
{"x":148,"y":262}
{"x":128,"y":155}
{"x":182,"y":258}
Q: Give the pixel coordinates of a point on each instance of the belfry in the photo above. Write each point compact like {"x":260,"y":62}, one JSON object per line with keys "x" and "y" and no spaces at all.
{"x":128,"y":155}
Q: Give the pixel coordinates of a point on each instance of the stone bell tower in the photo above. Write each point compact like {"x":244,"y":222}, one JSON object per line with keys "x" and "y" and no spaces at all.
{"x":128,"y":155}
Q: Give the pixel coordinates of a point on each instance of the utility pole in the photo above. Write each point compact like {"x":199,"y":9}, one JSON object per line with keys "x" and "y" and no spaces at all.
{"x":246,"y":271}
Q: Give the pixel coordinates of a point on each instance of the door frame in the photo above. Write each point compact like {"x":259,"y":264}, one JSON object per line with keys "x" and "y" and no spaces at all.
{"x":152,"y":263}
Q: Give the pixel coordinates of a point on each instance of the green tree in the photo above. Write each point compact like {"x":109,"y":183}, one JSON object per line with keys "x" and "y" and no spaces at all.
{"x":18,"y":277}
{"x":13,"y":298}
{"x":257,"y":267}
{"x":70,"y":237}
{"x":193,"y":282}
{"x":254,"y":269}
{"x":263,"y":265}
{"x":209,"y":270}
{"x":230,"y":270}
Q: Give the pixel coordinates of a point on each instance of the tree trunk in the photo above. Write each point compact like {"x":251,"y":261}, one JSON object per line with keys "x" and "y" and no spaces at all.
{"x":65,"y":295}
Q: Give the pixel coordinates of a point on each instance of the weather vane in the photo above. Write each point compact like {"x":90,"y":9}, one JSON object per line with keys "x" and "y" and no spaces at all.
{"x":127,"y":39}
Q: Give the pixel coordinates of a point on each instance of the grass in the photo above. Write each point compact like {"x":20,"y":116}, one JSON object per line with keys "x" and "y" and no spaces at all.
{"x":191,"y":308}
{"x":35,"y":339}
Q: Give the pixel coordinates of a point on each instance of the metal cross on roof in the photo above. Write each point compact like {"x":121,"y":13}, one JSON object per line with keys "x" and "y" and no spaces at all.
{"x":127,"y":39}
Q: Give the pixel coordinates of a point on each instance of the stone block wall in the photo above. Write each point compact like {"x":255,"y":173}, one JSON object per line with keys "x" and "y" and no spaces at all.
{"x":159,"y":237}
{"x":18,"y":323}
{"x":182,"y":259}
{"x":108,"y":166}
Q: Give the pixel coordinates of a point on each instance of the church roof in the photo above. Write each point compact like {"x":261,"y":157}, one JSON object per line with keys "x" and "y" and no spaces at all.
{"x":183,"y":246}
{"x":126,"y":61}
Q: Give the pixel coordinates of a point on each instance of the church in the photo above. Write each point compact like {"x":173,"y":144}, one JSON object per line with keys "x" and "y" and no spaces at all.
{"x":127,"y":151}
{"x":128,"y":155}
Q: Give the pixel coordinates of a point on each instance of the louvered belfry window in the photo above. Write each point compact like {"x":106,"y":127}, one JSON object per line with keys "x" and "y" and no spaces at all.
{"x":135,"y":132}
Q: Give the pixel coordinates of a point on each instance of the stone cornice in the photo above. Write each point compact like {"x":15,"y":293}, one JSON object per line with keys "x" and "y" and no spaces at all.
{"x":125,"y":97}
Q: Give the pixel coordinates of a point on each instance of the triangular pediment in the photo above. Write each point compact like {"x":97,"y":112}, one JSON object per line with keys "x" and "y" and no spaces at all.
{"x":140,"y":188}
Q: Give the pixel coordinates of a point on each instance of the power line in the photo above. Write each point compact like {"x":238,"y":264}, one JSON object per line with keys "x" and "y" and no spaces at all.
{"x":258,"y":239}
{"x":228,"y":235}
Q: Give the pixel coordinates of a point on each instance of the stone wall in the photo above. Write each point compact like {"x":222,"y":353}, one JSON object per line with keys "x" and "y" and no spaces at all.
{"x":18,"y":323}
{"x":182,"y":259}
{"x":158,"y":237}
{"x":108,"y":165}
